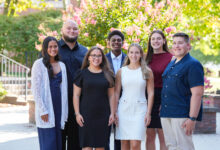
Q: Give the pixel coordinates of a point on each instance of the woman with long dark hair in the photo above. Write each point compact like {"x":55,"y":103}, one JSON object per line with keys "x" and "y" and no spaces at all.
{"x":93,"y":100}
{"x":134,"y":109}
{"x":157,"y":58}
{"x":49,"y":88}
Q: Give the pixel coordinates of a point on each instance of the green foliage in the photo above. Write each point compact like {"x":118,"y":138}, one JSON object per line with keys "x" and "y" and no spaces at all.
{"x":3,"y":92}
{"x":135,"y":18}
{"x":203,"y":18}
{"x":19,"y":34}
{"x":12,"y":7}
{"x":205,"y":58}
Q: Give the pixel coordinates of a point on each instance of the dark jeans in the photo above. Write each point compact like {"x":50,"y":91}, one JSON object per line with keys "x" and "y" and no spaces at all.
{"x":117,"y":143}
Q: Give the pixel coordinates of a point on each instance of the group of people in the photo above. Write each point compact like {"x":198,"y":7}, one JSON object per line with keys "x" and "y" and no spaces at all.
{"x":81,"y":96}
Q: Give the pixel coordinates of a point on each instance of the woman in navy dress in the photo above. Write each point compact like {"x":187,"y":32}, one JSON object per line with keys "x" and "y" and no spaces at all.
{"x":94,"y":100}
{"x":157,"y":58}
{"x":49,"y":88}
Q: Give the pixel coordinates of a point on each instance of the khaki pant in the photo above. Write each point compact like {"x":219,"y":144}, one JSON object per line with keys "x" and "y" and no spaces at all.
{"x":175,"y":136}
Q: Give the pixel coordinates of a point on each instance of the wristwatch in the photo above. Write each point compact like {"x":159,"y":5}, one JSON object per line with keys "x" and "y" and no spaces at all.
{"x":192,"y":118}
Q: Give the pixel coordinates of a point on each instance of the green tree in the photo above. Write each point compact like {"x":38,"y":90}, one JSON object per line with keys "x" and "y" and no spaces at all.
{"x":203,"y":18}
{"x":135,"y":18}
{"x":19,"y":34}
{"x":11,"y":7}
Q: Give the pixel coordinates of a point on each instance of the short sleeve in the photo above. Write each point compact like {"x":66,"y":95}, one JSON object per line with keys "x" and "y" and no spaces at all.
{"x":78,"y":78}
{"x":196,"y":75}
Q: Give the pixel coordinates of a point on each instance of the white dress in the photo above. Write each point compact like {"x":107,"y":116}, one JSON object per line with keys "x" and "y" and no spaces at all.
{"x":132,"y":106}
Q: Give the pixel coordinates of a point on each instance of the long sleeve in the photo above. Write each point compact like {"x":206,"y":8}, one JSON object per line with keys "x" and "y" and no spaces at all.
{"x":36,"y":81}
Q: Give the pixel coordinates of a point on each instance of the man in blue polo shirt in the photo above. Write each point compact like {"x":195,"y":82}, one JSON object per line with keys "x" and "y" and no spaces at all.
{"x":183,"y":82}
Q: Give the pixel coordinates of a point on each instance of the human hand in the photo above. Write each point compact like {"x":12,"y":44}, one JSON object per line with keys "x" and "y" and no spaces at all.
{"x":116,"y":119}
{"x":147,"y":119}
{"x":111,"y":119}
{"x":189,"y":126}
{"x":79,"y":120}
{"x":44,"y":118}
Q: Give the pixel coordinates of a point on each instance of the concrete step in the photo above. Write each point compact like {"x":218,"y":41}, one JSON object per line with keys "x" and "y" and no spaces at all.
{"x":13,"y":81}
{"x":17,"y":89}
{"x":22,"y":92}
{"x":11,"y":99}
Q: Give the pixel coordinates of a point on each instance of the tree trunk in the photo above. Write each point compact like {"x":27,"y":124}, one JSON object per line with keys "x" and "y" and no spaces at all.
{"x":12,"y":11}
{"x":6,"y":7}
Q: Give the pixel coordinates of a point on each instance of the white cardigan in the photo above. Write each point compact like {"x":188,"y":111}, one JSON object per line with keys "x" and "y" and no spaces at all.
{"x":42,"y":95}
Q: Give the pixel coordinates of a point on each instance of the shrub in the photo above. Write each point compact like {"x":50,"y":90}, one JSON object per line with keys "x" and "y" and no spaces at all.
{"x":19,"y":34}
{"x":135,"y":18}
{"x":3,"y":92}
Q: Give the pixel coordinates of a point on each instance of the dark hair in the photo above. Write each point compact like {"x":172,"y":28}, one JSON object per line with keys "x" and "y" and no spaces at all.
{"x":46,"y":56}
{"x":181,"y":34}
{"x":150,"y":50}
{"x":109,"y":75}
{"x":116,"y":32}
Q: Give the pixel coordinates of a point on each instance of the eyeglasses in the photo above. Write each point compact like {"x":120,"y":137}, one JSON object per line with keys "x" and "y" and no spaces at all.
{"x":96,"y":56}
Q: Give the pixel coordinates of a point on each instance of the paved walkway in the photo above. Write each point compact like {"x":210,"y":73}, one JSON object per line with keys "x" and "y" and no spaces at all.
{"x":17,"y":134}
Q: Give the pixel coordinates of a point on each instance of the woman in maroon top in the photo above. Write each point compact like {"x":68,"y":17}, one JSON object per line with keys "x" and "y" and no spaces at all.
{"x":157,"y":58}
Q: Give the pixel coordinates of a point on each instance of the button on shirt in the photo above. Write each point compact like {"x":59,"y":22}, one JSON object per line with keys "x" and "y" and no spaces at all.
{"x":116,"y":62}
{"x":178,"y":78}
{"x":73,"y":59}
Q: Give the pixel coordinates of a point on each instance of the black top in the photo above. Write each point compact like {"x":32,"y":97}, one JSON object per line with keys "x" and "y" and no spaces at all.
{"x":94,"y":107}
{"x":73,"y":59}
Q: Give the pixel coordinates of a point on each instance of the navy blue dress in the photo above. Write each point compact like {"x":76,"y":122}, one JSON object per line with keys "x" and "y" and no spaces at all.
{"x":51,"y":138}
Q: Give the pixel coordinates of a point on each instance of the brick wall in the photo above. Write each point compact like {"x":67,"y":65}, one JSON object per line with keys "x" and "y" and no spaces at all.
{"x":208,"y":123}
{"x":217,"y":102}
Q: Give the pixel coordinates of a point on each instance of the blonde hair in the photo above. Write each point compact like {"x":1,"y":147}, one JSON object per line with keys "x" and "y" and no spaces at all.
{"x":144,"y":68}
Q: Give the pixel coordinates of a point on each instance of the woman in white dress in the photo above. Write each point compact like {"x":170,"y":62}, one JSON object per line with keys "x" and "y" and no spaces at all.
{"x":133,"y":110}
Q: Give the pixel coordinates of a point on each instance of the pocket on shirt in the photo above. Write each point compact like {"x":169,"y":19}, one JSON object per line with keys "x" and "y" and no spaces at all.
{"x":178,"y":79}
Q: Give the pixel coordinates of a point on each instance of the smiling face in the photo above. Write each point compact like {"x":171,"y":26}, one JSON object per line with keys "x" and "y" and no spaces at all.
{"x":116,"y":43}
{"x":134,"y":54}
{"x":70,"y":31}
{"x":52,"y":49}
{"x":157,"y":41}
{"x":95,"y":58}
{"x":180,"y":47}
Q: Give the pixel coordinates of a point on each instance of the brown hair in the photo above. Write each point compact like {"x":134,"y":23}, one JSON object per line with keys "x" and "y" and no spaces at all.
{"x":150,"y":50}
{"x":183,"y":35}
{"x":144,"y":68}
{"x":109,"y":75}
